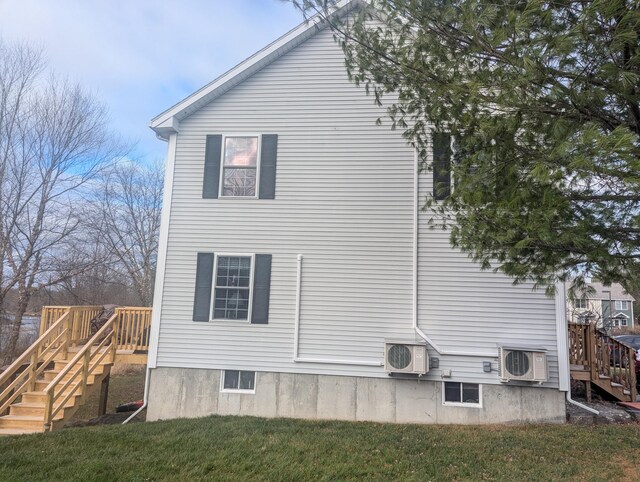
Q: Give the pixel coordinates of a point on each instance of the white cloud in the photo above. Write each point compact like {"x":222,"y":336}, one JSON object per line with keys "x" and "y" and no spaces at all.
{"x":142,"y":56}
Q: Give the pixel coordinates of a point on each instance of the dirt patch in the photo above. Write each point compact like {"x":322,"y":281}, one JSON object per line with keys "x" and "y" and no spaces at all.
{"x":123,"y":369}
{"x":610,"y":413}
{"x":629,"y":466}
{"x":106,"y":419}
{"x":126,"y":385}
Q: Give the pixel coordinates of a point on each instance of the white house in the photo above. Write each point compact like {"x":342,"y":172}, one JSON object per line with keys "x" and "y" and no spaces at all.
{"x":603,"y":305}
{"x":298,"y":276}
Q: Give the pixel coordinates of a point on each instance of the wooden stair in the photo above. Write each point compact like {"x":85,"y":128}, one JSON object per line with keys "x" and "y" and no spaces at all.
{"x":72,"y":356}
{"x":45,"y":386}
{"x":611,"y":387}
{"x":597,"y":359}
{"x":27,"y":414}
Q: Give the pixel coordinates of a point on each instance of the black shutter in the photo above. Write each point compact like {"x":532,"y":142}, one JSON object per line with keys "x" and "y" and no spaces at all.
{"x":261,"y":288}
{"x":268,"y":155}
{"x":441,"y":165}
{"x":204,"y":281}
{"x":211,"y":180}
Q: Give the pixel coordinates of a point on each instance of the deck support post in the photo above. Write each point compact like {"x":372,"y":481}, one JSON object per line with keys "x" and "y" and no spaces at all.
{"x":593,"y":350}
{"x":104,"y":393}
{"x":587,"y":390}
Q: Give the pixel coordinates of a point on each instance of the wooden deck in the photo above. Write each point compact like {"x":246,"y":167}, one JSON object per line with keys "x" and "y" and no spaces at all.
{"x":73,"y":356}
{"x":602,"y":361}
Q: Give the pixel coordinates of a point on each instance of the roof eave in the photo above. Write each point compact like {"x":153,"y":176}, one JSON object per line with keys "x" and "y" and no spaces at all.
{"x":228,"y":80}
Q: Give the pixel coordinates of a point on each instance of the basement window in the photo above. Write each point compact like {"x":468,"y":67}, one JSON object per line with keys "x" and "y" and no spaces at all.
{"x":239,"y":381}
{"x":462,"y":394}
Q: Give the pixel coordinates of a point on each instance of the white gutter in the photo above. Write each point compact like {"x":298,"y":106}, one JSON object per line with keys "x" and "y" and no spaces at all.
{"x":562,"y":334}
{"x":424,"y":336}
{"x":152,"y":355}
{"x":296,"y":333}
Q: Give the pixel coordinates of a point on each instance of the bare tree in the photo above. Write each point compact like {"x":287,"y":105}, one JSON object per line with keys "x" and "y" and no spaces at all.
{"x":56,"y":141}
{"x":19,"y":68}
{"x":129,"y":208}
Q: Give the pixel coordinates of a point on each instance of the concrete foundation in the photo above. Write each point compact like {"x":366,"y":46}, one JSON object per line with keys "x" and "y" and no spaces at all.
{"x":189,"y":392}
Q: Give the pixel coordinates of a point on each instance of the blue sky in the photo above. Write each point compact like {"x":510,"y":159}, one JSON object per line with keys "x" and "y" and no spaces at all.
{"x":139,"y":57}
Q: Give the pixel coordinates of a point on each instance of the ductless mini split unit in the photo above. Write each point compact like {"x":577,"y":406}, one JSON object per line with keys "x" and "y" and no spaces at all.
{"x":410,"y":358}
{"x":523,"y":364}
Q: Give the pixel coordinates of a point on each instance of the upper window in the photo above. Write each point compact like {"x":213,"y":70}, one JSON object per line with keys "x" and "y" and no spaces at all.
{"x":581,"y":303}
{"x":240,"y":166}
{"x":232,"y":287}
{"x":622,"y":305}
{"x":441,"y":165}
{"x":462,"y":393}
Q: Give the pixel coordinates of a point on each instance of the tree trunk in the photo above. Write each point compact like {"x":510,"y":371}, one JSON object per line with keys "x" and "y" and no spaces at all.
{"x":16,"y":325}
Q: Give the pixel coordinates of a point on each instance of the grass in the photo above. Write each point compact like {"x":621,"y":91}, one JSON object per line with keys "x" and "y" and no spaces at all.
{"x":246,"y":448}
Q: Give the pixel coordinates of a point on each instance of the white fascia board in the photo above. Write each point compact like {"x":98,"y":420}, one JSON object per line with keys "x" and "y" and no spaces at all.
{"x":243,"y":70}
{"x":166,"y":128}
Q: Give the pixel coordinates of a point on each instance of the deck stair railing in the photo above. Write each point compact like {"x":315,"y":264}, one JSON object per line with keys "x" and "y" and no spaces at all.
{"x":22,"y":374}
{"x":602,"y":360}
{"x":73,"y":378}
{"x":81,"y":317}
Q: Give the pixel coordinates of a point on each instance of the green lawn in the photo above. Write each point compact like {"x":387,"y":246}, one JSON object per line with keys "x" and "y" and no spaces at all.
{"x":236,"y":448}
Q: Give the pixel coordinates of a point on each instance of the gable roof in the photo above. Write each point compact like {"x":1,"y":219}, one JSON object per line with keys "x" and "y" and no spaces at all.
{"x":620,"y":315}
{"x":601,"y":292}
{"x":169,"y":121}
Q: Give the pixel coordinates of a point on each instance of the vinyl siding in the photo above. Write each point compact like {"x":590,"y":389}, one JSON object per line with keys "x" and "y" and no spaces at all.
{"x":462,"y":308}
{"x":338,"y":203}
{"x":344,"y":200}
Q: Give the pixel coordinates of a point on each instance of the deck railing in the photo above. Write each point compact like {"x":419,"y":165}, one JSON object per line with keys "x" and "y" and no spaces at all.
{"x":81,"y":317}
{"x":579,"y":344}
{"x":133,"y":324}
{"x":603,"y":356}
{"x":22,"y":374}
{"x":100,"y":349}
{"x":616,"y":360}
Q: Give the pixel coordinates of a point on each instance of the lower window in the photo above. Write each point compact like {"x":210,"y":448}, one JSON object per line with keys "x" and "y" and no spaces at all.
{"x":232,"y":288}
{"x":462,"y":393}
{"x":239,"y":380}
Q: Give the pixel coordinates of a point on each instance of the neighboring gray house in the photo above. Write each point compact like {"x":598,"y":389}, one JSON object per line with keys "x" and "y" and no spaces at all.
{"x":603,"y":305}
{"x":298,"y":277}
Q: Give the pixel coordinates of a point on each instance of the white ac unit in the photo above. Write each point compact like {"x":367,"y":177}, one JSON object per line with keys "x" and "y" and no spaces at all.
{"x":523,"y":364}
{"x":406,"y":358}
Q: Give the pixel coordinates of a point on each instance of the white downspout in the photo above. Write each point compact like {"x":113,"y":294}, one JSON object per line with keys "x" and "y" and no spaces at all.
{"x":145,"y":397}
{"x":416,"y":212}
{"x":152,"y":355}
{"x":296,"y":333}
